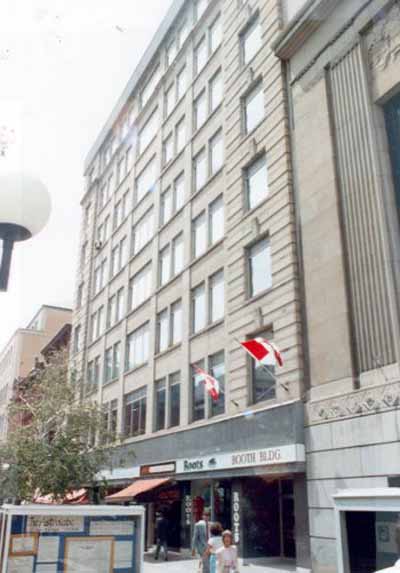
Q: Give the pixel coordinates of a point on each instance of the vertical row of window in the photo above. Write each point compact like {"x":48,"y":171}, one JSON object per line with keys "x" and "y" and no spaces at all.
{"x":207,"y":101}
{"x":174,"y":142}
{"x":208,"y":227}
{"x":207,"y":45}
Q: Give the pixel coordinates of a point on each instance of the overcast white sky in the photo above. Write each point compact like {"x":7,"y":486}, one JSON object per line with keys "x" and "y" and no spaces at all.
{"x":63,"y":65}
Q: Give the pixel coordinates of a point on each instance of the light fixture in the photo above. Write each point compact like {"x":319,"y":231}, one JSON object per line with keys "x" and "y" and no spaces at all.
{"x":24,"y":211}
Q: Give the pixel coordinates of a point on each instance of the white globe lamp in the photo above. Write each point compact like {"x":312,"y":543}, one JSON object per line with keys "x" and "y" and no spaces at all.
{"x":24,"y":211}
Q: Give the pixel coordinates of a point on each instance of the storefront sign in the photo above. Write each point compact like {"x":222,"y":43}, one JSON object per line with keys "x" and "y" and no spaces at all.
{"x":268,"y":456}
{"x":168,"y":468}
{"x":236,"y":516}
{"x":54,"y":524}
{"x":188,"y":510}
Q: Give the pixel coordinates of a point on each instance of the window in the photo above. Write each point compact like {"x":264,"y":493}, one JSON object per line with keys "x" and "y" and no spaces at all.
{"x":79,"y":296}
{"x":97,"y":324}
{"x":168,"y":149}
{"x":254,"y":108}
{"x":128,"y":160}
{"x":262,"y":377}
{"x":199,"y":314}
{"x":143,"y":231}
{"x":180,"y":135}
{"x":100,"y":276}
{"x":198,"y":395}
{"x":179,"y":191}
{"x":118,"y":214}
{"x":110,"y":186}
{"x":77,"y":338}
{"x":177,"y":254}
{"x":200,"y":8}
{"x":256,"y":182}
{"x":181,"y":84}
{"x":172,"y":200}
{"x":111,"y":311}
{"x":135,"y":413}
{"x":200,"y":110}
{"x":183,"y":33}
{"x":216,"y":294}
{"x":140,"y":287}
{"x":174,"y":414}
{"x":150,"y":86}
{"x":146,"y":180}
{"x":162,"y":331}
{"x":108,"y":365}
{"x":200,"y":56}
{"x":119,"y":256}
{"x":119,"y":310}
{"x":176,"y":323}
{"x":169,"y":100}
{"x":216,"y":91}
{"x":215,"y":34}
{"x":161,"y":409}
{"x":137,"y":351}
{"x":120,"y":166}
{"x":216,"y":220}
{"x":165,"y":265}
{"x":166,"y":206}
{"x":199,"y":235}
{"x":251,"y":41}
{"x":148,"y":132}
{"x":93,"y":374}
{"x":200,"y":170}
{"x":260,"y":273}
{"x":217,"y":370}
{"x":216,"y":153}
{"x":116,"y":360}
{"x":171,"y":52}
{"x":113,"y":427}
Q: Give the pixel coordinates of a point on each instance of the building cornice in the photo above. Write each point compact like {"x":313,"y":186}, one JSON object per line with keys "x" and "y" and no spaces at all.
{"x":303,"y":25}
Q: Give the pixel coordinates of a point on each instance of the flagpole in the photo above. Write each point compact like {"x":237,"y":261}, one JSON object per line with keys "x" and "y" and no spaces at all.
{"x":266,"y":369}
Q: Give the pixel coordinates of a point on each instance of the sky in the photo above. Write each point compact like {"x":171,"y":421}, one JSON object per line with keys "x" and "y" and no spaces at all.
{"x":63,"y":65}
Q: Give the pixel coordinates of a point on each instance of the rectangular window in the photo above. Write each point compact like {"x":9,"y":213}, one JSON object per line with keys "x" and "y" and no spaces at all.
{"x":199,"y":235}
{"x":96,"y":371}
{"x":128,"y":160}
{"x":251,"y":41}
{"x":200,"y":56}
{"x":113,"y":419}
{"x":161,"y":405}
{"x":217,"y":370}
{"x":146,"y":180}
{"x":108,"y":365}
{"x":140,"y":287}
{"x":216,"y":91}
{"x":200,"y":8}
{"x":179,"y":192}
{"x":119,"y":256}
{"x":176,"y":323}
{"x":116,"y":360}
{"x":90,"y":376}
{"x":169,"y":100}
{"x":106,"y":229}
{"x":260,"y":272}
{"x":216,"y":220}
{"x":150,"y":86}
{"x":166,"y":206}
{"x":110,"y":186}
{"x":199,"y":311}
{"x":254,"y":109}
{"x":137,"y":351}
{"x":168,"y":149}
{"x":119,"y":311}
{"x":143,"y":231}
{"x":111,"y":311}
{"x":162,"y":331}
{"x":165,"y":265}
{"x":171,"y":52}
{"x":216,"y":153}
{"x":120,"y":173}
{"x":200,"y":110}
{"x":215,"y":34}
{"x":262,"y":377}
{"x":77,"y":338}
{"x":217,"y":300}
{"x":177,"y":255}
{"x":180,"y":135}
{"x":79,"y":296}
{"x":174,"y":399}
{"x":181,"y":84}
{"x":200,"y":170}
{"x":100,"y":322}
{"x":198,"y":395}
{"x":118,"y":214}
{"x":183,"y":33}
{"x":148,"y":132}
{"x":256,"y":182}
{"x":135,"y":413}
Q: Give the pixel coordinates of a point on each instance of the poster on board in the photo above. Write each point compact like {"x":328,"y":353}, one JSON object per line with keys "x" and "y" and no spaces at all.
{"x":89,"y":555}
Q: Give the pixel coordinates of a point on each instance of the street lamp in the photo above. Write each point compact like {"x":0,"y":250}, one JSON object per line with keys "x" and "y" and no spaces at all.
{"x":24,"y":211}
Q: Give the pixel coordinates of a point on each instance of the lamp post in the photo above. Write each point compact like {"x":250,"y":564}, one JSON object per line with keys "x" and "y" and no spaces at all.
{"x":24,"y":211}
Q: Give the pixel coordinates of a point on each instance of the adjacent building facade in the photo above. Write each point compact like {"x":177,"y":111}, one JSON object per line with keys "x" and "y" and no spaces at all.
{"x":188,"y":245}
{"x":18,"y":357}
{"x":343,"y":75}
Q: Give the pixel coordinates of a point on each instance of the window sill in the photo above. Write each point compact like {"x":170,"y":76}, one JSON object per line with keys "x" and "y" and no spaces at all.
{"x":170,"y":281}
{"x":110,"y":328}
{"x":172,"y":161}
{"x":97,"y":295}
{"x":138,"y":307}
{"x":110,"y":382}
{"x":209,"y":180}
{"x":143,"y":151}
{"x":168,"y":350}
{"x":219,"y":243}
{"x":206,"y":121}
{"x":139,"y":251}
{"x":172,"y":218}
{"x":207,"y":328}
{"x":118,"y":273}
{"x":135,"y":368}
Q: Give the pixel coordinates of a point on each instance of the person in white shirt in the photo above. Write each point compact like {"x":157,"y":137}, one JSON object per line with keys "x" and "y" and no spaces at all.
{"x":227,"y":557}
{"x":214,"y":543}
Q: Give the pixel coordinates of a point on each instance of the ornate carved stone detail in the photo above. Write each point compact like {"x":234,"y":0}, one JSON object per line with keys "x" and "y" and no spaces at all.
{"x":360,"y":402}
{"x":383,"y":41}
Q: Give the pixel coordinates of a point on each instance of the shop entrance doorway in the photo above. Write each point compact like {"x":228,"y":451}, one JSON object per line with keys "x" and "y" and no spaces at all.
{"x":214,"y":495}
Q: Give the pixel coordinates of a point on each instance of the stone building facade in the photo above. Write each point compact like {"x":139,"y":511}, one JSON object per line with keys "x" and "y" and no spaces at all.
{"x":343,"y":76}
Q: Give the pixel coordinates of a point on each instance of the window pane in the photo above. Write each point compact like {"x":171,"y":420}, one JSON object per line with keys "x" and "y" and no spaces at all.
{"x":198,"y":404}
{"x":140,"y":287}
{"x":183,"y":33}
{"x":201,"y":55}
{"x":199,"y":308}
{"x":148,"y":132}
{"x":200,"y":110}
{"x":216,"y":220}
{"x":146,"y":181}
{"x":143,"y":232}
{"x":150,"y":86}
{"x":217,"y":302}
{"x":166,"y":206}
{"x":168,"y":149}
{"x":176,"y":322}
{"x":215,"y":34}
{"x":217,"y":368}
{"x":216,"y":91}
{"x":199,"y":235}
{"x":201,"y":6}
{"x":181,"y":84}
{"x":174,"y":400}
{"x":169,"y":100}
{"x":180,"y":135}
{"x":171,"y":53}
{"x":116,"y":359}
{"x":257,"y":182}
{"x":177,"y":246}
{"x":200,"y":170}
{"x":260,"y":267}
{"x":262,"y":377}
{"x":251,"y":41}
{"x":137,"y":347}
{"x":216,"y":153}
{"x":160,"y":405}
{"x":163,"y":331}
{"x":165,"y":265}
{"x":108,"y":365}
{"x":254,"y":108}
{"x":179,"y":191}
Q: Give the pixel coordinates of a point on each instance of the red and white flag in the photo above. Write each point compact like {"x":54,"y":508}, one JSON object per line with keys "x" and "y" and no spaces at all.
{"x":211,"y":383}
{"x":263,"y":351}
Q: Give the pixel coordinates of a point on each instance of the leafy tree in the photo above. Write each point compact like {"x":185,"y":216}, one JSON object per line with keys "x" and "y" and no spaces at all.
{"x":50,"y":446}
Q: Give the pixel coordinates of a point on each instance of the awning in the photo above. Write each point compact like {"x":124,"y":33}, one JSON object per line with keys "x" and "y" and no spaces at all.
{"x":77,"y":497}
{"x":137,"y":487}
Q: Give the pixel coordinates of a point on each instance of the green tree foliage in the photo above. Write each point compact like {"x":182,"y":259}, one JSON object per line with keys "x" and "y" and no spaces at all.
{"x":51,"y":446}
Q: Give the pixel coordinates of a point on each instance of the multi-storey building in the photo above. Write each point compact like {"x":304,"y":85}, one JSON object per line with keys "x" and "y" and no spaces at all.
{"x":18,"y":356}
{"x":344,"y":76}
{"x":188,"y":246}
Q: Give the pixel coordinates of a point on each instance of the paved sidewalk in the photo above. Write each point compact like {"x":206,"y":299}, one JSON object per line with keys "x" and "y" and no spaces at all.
{"x":182,"y":564}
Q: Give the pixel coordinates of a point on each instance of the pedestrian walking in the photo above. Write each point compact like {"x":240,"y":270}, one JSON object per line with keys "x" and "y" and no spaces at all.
{"x":162,"y":536}
{"x":214,"y":543}
{"x":201,"y":535}
{"x":227,"y":557}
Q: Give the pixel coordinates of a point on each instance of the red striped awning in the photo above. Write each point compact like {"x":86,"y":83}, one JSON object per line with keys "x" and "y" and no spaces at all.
{"x":137,"y":487}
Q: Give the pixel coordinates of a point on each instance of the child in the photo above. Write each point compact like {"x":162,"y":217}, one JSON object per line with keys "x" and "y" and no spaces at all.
{"x":214,"y":543}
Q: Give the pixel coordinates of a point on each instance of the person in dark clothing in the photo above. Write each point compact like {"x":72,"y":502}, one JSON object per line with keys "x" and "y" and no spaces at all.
{"x":162,"y":536}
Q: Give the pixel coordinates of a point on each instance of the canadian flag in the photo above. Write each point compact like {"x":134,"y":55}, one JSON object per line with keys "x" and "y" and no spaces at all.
{"x":263,"y":351}
{"x":212,"y":384}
